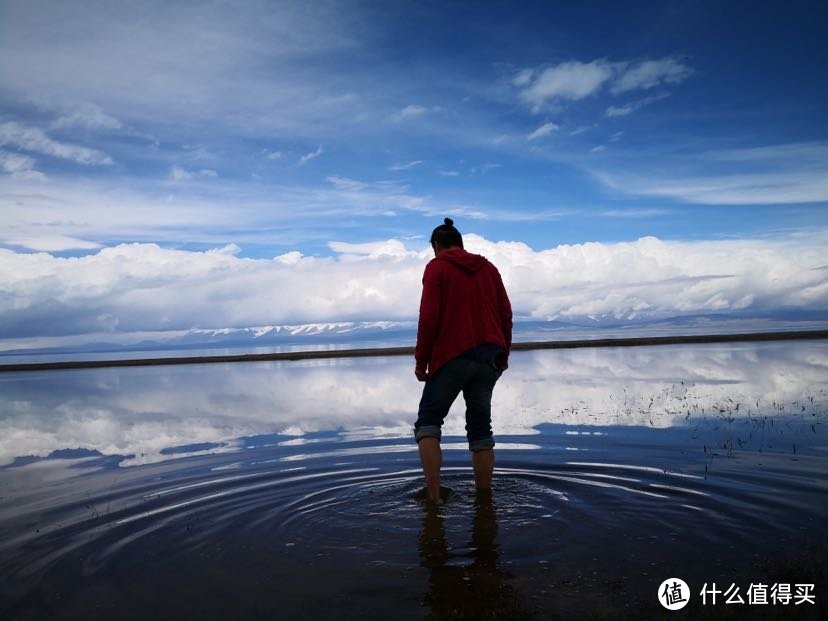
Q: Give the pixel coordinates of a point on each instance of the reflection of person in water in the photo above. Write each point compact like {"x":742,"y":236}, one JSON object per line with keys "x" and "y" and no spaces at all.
{"x":467,"y":585}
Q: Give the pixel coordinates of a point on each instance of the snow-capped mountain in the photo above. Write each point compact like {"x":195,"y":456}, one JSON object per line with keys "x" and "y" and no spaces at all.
{"x":378,"y":334}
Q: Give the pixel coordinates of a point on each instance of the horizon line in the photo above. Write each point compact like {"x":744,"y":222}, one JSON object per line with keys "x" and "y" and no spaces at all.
{"x":408,"y":350}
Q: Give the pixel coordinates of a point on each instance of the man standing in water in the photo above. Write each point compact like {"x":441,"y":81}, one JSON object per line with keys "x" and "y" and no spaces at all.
{"x":463,"y":341}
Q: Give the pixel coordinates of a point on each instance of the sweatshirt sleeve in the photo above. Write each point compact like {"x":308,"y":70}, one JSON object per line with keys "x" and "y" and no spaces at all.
{"x":504,"y":308}
{"x":429,"y":322}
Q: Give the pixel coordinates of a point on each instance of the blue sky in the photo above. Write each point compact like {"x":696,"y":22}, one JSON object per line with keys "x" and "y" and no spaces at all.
{"x":257,"y":130}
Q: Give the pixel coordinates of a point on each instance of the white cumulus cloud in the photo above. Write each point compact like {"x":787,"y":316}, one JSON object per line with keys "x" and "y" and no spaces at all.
{"x":143,"y":287}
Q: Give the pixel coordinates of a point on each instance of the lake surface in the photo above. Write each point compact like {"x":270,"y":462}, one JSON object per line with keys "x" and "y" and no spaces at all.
{"x":292,"y":489}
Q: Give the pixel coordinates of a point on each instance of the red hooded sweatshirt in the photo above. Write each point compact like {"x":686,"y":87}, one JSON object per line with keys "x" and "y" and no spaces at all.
{"x":464,"y":304}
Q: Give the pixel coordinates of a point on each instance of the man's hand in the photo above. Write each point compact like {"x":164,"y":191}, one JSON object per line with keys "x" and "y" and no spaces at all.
{"x":421,"y":375}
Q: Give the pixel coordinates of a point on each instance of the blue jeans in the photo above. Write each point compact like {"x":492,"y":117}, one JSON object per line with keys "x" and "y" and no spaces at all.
{"x":476,"y":380}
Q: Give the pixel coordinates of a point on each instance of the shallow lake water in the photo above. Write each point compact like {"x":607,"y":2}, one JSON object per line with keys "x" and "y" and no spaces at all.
{"x":287,"y":490}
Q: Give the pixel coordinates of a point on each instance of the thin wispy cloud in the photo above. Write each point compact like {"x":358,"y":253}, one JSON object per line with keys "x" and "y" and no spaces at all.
{"x":52,"y":243}
{"x":88,"y":116}
{"x":581,"y":130}
{"x":485,"y":168}
{"x":35,"y":140}
{"x":411,"y":111}
{"x":710,"y":189}
{"x":177,"y":173}
{"x":616,"y":111}
{"x":20,"y":166}
{"x":311,"y":156}
{"x":406,"y":165}
{"x":541,"y":132}
{"x":207,"y":206}
{"x":632,"y":106}
{"x":798,"y":154}
{"x":524,"y":77}
{"x":651,"y":73}
{"x":635,"y":213}
{"x":576,"y":80}
{"x":777,"y":175}
{"x":181,"y":71}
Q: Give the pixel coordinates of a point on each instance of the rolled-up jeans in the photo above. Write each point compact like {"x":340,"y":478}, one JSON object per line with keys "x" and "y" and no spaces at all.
{"x":476,"y":380}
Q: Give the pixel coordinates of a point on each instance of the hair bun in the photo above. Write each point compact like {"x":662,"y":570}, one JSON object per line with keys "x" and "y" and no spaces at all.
{"x":449,"y":222}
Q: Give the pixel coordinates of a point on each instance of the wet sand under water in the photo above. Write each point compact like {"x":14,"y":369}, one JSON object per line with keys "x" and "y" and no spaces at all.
{"x":588,"y":515}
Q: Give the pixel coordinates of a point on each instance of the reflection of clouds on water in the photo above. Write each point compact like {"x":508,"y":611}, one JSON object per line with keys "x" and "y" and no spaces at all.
{"x":143,"y":411}
{"x":656,"y":386}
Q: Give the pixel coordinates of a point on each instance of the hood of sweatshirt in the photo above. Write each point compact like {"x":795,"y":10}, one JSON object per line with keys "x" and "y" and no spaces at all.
{"x":466,"y":261}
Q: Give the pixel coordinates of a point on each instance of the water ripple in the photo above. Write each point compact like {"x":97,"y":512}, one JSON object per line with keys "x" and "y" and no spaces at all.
{"x":362,"y":500}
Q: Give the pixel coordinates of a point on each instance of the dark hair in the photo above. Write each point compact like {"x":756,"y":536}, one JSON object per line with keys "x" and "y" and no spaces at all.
{"x":446,"y":235}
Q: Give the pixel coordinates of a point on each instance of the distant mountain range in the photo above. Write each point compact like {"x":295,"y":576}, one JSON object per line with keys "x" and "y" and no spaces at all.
{"x":356,"y":334}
